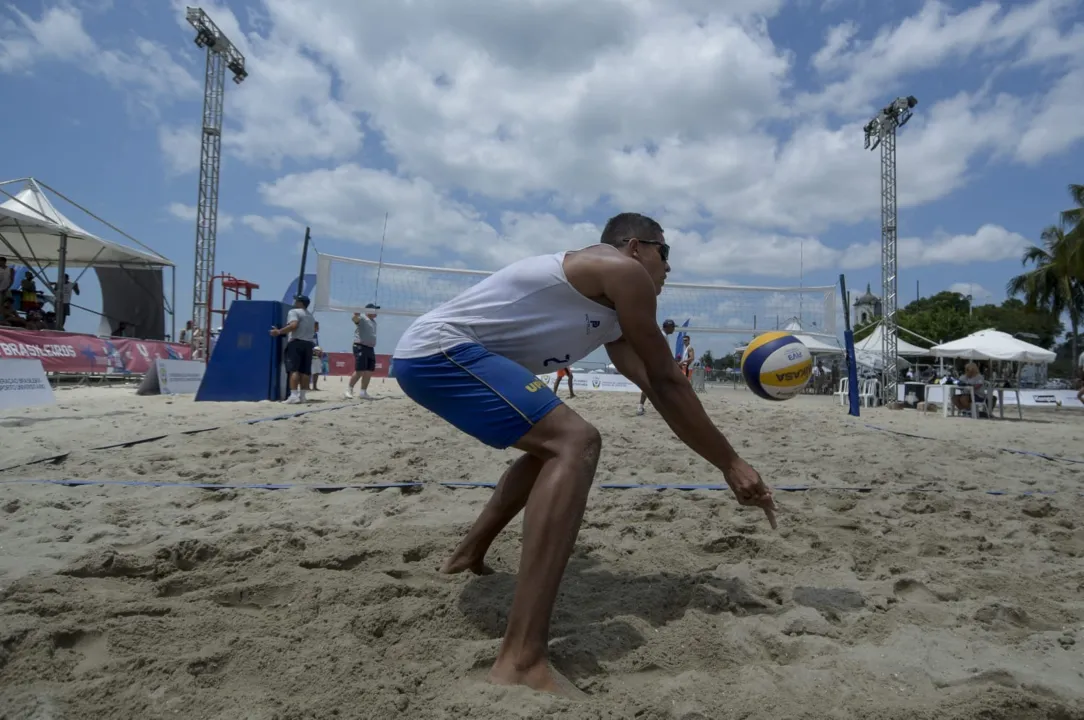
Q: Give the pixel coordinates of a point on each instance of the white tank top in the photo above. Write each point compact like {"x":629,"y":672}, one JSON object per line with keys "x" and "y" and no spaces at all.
{"x":527,"y":312}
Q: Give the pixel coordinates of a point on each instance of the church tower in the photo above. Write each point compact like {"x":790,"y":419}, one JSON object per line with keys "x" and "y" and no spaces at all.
{"x":867,"y":307}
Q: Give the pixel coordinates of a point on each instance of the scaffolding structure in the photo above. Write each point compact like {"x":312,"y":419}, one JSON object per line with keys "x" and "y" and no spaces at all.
{"x":881,"y":131}
{"x":221,"y":55}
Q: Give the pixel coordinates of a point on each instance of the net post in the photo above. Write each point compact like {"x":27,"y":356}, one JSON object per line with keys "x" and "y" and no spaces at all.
{"x":848,"y":342}
{"x":304,"y":257}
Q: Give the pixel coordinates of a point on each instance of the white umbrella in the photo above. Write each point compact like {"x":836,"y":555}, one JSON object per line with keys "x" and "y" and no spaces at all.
{"x":993,"y":345}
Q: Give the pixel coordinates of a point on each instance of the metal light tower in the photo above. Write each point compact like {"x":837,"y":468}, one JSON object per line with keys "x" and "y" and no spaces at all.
{"x":881,"y":130}
{"x":221,"y":54}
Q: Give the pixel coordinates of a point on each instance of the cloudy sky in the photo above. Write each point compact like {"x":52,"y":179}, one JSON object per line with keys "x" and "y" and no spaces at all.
{"x":494,"y":129}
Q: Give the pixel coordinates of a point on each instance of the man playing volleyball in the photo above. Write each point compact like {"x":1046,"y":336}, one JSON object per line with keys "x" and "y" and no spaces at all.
{"x":473,"y":361}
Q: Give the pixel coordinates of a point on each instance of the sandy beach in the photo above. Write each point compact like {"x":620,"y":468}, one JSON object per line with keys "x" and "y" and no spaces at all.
{"x":921,"y":596}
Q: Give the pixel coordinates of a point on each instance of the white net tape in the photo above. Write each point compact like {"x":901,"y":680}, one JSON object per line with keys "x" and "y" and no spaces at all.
{"x":348,"y":284}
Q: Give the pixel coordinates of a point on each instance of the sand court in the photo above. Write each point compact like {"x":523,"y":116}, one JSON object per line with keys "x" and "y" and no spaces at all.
{"x":921,"y":596}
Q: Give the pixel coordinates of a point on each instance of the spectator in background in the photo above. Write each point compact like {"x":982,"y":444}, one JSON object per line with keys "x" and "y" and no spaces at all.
{"x":8,"y":316}
{"x":820,"y":377}
{"x":65,"y":297}
{"x":320,"y":365}
{"x":34,"y":320}
{"x":364,"y":351}
{"x":688,"y":357}
{"x":186,"y":333}
{"x":301,"y":328}
{"x":974,"y":378}
{"x":28,"y":293}
{"x":7,"y":278}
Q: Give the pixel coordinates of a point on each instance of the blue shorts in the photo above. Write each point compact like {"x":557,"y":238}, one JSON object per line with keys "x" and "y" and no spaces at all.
{"x":487,"y":396}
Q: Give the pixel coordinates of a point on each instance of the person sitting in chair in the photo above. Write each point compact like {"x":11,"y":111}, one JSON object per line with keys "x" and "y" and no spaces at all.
{"x":974,"y":378}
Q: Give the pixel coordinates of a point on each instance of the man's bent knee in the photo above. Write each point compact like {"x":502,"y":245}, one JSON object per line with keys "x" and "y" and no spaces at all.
{"x":559,"y":432}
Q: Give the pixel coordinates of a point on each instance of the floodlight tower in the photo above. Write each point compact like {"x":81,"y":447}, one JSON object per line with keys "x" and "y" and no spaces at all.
{"x":881,"y":130}
{"x":221,"y":54}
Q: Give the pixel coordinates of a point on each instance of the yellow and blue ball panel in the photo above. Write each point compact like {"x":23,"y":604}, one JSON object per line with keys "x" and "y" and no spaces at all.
{"x":776,"y":365}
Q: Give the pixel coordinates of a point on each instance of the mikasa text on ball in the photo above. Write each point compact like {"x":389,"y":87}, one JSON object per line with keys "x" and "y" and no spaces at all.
{"x":776,"y":365}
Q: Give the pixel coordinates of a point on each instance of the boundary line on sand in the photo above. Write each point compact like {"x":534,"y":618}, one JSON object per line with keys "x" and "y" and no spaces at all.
{"x":57,"y":457}
{"x":488,"y":485}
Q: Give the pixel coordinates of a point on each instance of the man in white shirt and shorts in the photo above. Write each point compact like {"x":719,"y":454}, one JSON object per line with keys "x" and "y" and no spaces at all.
{"x":364,"y":351}
{"x":475,"y":360}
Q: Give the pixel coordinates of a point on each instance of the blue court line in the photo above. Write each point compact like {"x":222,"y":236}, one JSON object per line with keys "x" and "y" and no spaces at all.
{"x":461,"y":485}
{"x":154,"y":438}
{"x":1032,"y":453}
{"x":212,"y":486}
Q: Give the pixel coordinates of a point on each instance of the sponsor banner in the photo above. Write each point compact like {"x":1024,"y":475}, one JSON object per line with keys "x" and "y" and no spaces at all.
{"x":1033,"y":397}
{"x":342,"y":363}
{"x":179,"y":377}
{"x":23,"y":384}
{"x":603,"y":382}
{"x":62,"y":352}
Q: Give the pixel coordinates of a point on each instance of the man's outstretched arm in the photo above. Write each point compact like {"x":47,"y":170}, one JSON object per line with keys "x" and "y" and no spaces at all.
{"x":644,"y":357}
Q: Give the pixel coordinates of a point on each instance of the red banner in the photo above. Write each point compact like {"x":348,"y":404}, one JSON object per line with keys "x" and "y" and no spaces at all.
{"x":340,"y":363}
{"x":76,"y":353}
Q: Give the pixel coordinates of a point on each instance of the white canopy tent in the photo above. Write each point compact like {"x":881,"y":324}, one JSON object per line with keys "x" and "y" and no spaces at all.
{"x":37,"y":235}
{"x":994,"y":345}
{"x":823,"y":344}
{"x":874,"y":359}
{"x":872,"y":344}
{"x":34,"y":230}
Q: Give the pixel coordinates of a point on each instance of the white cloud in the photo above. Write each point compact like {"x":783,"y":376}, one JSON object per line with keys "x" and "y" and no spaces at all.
{"x":979,"y":294}
{"x":188,"y":213}
{"x":272,"y":227}
{"x":685,"y":109}
{"x":286,"y":108}
{"x":349,"y":203}
{"x":1056,"y":125}
{"x":146,"y":69}
{"x":934,"y":37}
{"x":989,"y":243}
{"x":180,"y":148}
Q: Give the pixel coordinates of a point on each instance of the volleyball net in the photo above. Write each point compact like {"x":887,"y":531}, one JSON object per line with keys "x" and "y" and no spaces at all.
{"x":349,"y":284}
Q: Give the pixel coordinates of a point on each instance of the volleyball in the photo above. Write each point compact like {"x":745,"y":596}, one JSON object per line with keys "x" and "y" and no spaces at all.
{"x":776,"y":365}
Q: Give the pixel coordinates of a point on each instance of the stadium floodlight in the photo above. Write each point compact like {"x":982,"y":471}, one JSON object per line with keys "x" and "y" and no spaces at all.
{"x":221,"y":54}
{"x":881,"y":132}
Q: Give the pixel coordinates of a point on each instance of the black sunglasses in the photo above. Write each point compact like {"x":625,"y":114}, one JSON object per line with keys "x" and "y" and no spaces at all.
{"x":664,"y":249}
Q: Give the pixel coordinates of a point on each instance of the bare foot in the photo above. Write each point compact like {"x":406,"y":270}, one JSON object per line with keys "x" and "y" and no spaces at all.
{"x":459,"y":563}
{"x":541,"y":678}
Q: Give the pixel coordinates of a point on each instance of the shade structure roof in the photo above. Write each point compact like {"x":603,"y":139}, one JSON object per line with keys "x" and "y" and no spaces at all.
{"x":31,"y":231}
{"x":872,"y":344}
{"x":816,"y":343}
{"x":993,"y":345}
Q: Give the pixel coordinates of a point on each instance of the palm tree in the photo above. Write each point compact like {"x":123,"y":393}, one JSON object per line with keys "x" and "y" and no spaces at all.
{"x":1056,"y":281}
{"x":1074,"y":220}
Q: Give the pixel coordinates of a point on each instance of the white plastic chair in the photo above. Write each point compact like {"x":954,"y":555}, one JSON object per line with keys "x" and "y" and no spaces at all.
{"x":871,"y":393}
{"x":842,"y":392}
{"x":977,"y":406}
